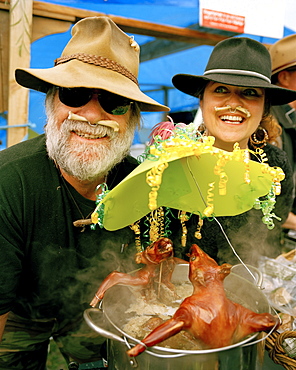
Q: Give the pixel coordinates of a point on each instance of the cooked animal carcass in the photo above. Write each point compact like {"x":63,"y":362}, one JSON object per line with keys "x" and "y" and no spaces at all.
{"x":208,"y":314}
{"x":159,"y":262}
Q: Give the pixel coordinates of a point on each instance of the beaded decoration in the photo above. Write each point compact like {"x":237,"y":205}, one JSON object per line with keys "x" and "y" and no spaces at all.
{"x":97,"y":216}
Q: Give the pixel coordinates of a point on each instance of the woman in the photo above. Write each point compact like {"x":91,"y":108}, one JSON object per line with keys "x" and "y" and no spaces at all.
{"x":235,"y":95}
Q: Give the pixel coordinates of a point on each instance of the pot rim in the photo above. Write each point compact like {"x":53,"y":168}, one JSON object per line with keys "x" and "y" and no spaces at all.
{"x":169,"y":352}
{"x":180,"y":351}
{"x":250,"y":340}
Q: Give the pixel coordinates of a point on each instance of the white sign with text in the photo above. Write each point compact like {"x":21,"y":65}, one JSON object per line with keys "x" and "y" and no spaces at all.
{"x":255,"y":17}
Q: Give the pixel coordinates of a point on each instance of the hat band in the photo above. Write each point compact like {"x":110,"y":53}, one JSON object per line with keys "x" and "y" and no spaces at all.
{"x":238,"y":72}
{"x":98,"y":61}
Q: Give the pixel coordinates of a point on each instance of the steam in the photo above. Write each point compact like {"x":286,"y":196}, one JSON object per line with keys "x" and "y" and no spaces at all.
{"x":70,"y":278}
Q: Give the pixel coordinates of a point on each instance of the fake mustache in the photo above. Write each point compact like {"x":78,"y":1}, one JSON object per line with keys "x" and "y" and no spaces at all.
{"x":108,"y":123}
{"x":238,"y":108}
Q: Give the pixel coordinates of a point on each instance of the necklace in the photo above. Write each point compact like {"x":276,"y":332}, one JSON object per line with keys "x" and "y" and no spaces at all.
{"x":84,"y":221}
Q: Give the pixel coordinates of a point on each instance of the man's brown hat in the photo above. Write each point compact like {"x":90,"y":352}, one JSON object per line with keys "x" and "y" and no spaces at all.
{"x":283,"y":54}
{"x":99,"y":55}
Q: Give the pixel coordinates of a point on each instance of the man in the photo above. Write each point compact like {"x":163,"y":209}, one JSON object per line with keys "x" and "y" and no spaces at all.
{"x":283,"y":57}
{"x":50,"y":268}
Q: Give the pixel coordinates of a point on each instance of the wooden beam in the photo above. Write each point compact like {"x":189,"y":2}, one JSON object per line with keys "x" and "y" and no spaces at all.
{"x":167,"y":32}
{"x":61,"y":12}
{"x":19,"y":56}
{"x":4,"y":48}
{"x":128,"y":25}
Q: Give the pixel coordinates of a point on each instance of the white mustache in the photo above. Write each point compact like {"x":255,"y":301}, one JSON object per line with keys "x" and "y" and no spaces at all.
{"x":238,"y":108}
{"x":108,"y":123}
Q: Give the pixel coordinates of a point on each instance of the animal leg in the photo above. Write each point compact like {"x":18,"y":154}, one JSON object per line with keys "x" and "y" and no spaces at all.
{"x":262,"y":321}
{"x":159,"y":334}
{"x":118,"y":278}
{"x":254,"y":322}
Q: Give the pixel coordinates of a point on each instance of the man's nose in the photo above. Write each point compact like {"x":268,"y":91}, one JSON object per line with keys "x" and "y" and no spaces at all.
{"x":93,"y":110}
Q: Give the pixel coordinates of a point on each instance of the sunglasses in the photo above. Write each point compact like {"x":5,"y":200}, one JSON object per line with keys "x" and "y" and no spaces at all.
{"x":79,"y":96}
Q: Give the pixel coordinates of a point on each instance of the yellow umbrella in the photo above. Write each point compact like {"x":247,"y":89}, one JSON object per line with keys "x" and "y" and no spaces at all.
{"x":189,"y":175}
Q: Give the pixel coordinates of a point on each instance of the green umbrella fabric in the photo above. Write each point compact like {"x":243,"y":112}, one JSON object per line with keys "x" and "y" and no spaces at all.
{"x":189,"y":175}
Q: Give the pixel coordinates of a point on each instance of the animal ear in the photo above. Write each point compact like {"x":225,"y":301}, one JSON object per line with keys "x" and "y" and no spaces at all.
{"x":199,"y":277}
{"x":225,"y":269}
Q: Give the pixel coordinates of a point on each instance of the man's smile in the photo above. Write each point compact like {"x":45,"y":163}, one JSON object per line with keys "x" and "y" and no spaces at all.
{"x":88,"y":136}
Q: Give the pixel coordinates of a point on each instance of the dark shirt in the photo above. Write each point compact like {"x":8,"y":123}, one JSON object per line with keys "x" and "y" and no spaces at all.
{"x":48,"y":267}
{"x":286,"y":116}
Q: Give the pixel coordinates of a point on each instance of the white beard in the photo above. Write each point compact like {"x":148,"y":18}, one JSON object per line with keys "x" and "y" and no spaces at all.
{"x":82,"y":160}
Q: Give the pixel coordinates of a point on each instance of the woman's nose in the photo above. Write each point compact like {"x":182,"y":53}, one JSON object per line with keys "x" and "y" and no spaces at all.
{"x":234,"y":100}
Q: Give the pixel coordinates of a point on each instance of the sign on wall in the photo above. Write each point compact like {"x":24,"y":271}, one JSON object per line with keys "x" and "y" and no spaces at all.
{"x":255,"y":17}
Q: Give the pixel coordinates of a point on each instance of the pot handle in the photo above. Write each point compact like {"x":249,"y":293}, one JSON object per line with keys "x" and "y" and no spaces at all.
{"x":105,"y":333}
{"x":250,"y":273}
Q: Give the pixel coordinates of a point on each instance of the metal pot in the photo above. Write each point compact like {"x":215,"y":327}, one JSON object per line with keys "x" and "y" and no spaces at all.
{"x":246,"y":355}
